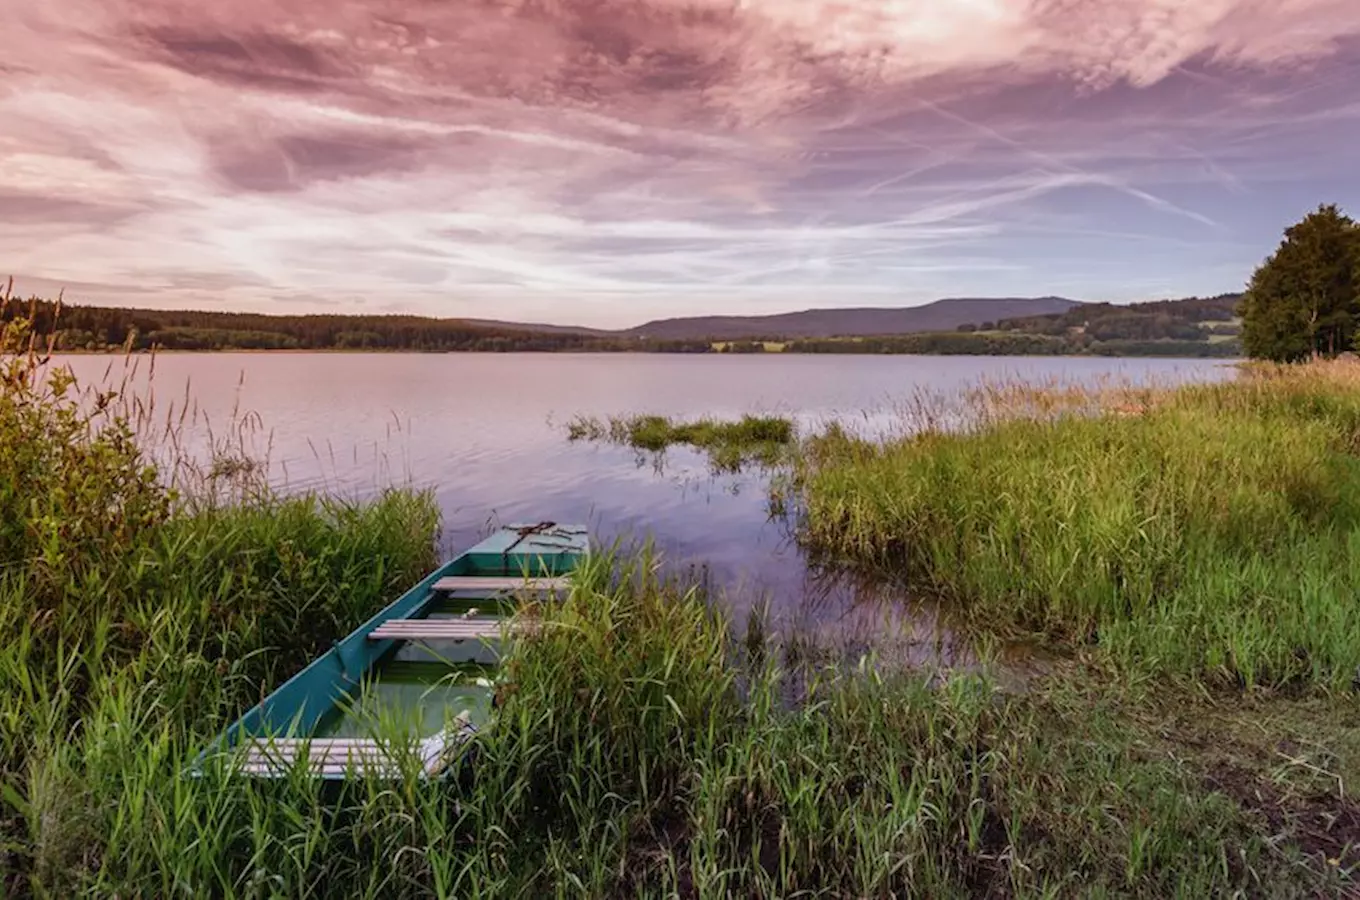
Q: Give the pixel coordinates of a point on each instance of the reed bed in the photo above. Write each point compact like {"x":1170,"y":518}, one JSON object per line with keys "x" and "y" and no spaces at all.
{"x":1200,"y":530}
{"x":633,"y":757}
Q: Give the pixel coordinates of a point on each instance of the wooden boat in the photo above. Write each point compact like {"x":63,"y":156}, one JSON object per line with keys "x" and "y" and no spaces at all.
{"x":422,"y":671}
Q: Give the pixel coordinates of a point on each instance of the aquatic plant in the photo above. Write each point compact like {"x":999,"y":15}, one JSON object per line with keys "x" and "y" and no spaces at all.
{"x":729,"y":445}
{"x":625,"y":762}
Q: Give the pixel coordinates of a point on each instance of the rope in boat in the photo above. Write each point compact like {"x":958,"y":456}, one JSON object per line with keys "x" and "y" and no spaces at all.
{"x":524,"y":533}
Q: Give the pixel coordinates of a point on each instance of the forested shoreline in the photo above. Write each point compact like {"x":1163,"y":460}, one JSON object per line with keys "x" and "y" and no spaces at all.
{"x":1193,"y":327}
{"x":98,"y":329}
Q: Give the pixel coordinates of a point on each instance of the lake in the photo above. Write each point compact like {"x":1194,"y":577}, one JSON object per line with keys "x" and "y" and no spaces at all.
{"x":486,"y":433}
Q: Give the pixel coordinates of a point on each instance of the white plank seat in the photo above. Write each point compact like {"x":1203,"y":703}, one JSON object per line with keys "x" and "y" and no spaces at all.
{"x":338,"y":756}
{"x":441,"y":629}
{"x":453,"y":584}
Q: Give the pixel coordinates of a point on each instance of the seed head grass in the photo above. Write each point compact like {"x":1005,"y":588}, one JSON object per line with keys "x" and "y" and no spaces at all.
{"x":1208,"y":530}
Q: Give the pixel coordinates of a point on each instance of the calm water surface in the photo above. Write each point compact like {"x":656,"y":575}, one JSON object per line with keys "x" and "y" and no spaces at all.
{"x":485,"y":431}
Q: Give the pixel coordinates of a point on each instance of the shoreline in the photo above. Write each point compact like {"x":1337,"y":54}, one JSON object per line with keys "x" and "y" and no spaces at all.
{"x":1234,"y":360}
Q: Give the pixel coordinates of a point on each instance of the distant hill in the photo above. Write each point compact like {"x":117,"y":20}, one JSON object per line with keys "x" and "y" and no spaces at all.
{"x":942,"y":315}
{"x":1191,"y":318}
{"x":1202,"y":327}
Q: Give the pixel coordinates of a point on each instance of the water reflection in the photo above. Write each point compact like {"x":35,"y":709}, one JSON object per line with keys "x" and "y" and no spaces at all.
{"x":845,"y":621}
{"x":816,"y":615}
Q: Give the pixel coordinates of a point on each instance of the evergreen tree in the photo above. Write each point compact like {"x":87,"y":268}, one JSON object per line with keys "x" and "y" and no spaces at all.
{"x":1304,"y":300}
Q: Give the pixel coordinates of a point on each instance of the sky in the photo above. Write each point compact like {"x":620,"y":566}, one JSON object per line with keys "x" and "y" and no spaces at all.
{"x":607,"y":162}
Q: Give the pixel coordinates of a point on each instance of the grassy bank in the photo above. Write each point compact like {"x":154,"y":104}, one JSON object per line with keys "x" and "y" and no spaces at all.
{"x":1191,"y":551}
{"x":139,"y":618}
{"x":638,"y":754}
{"x":1205,"y":531}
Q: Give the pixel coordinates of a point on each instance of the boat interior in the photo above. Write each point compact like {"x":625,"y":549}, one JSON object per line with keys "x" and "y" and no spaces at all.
{"x":421,"y":673}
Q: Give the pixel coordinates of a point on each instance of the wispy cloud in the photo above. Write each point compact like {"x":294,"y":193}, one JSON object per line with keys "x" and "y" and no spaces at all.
{"x":611,"y":160}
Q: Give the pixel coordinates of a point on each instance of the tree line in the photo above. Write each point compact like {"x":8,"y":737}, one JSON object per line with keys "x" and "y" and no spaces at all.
{"x":1190,"y":320}
{"x":104,"y":328}
{"x":995,"y":343}
{"x":1190,"y":327}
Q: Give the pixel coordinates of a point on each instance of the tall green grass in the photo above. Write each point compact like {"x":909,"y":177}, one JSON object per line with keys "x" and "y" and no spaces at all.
{"x":640,"y":749}
{"x":632,"y":756}
{"x":140,"y":616}
{"x":1203,"y":530}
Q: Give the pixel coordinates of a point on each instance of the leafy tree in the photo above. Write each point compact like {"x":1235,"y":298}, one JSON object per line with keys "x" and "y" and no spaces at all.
{"x":1304,"y":299}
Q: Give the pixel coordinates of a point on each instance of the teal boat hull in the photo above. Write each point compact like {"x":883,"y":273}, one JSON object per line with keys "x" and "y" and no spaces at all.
{"x":363,"y":682}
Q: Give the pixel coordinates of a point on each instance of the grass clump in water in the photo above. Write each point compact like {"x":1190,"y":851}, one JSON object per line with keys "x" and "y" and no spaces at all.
{"x":763,"y":440}
{"x":1208,"y":530}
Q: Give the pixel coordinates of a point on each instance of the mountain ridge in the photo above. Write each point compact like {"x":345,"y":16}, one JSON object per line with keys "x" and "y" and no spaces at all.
{"x":945,"y":314}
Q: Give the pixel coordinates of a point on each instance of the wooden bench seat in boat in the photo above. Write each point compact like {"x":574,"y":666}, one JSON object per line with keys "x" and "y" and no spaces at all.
{"x":440,"y":629}
{"x":452,"y":584}
{"x":337,"y":756}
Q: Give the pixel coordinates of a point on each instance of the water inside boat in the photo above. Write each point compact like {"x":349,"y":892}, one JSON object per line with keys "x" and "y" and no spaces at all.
{"x":416,"y":698}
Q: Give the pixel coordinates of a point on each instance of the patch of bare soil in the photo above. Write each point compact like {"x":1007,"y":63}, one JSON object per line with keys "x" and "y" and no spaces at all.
{"x":1323,"y":826}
